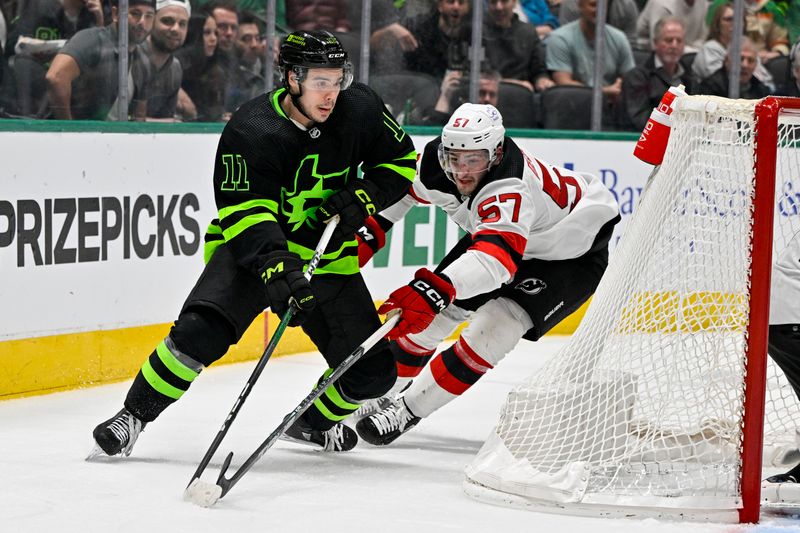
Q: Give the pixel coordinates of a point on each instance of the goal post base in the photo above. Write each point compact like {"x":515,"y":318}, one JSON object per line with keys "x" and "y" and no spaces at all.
{"x":490,"y":496}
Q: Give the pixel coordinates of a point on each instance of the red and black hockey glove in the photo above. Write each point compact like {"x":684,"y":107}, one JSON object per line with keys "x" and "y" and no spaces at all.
{"x":353,"y":204}
{"x":371,"y":237}
{"x":283,"y":276}
{"x":421,"y":300}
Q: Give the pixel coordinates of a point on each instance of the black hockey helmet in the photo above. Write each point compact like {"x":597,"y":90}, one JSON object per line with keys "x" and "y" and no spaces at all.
{"x":301,"y":50}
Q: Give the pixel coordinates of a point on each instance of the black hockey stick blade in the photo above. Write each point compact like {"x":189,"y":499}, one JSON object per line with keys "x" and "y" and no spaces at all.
{"x":262,"y":362}
{"x":224,"y":484}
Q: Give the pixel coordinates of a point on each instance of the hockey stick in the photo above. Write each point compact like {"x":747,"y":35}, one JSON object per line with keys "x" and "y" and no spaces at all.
{"x":262,"y":362}
{"x":206,"y":494}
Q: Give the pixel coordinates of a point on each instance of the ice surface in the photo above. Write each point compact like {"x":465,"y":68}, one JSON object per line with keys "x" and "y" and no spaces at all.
{"x":412,"y":486}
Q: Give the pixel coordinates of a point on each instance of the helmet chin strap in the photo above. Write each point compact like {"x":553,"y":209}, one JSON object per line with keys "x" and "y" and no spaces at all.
{"x":297,"y":104}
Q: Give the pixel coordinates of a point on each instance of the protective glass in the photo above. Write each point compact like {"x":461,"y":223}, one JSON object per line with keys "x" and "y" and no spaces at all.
{"x":463,"y":161}
{"x":327,"y":83}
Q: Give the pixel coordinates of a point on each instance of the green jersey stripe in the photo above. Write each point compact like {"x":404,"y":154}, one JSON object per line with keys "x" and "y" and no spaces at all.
{"x":245,"y":223}
{"x":407,"y":173}
{"x":269,"y":205}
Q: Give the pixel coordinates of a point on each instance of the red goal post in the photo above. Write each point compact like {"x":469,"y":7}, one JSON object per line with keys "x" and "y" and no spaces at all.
{"x":656,"y":405}
{"x":767,"y":113}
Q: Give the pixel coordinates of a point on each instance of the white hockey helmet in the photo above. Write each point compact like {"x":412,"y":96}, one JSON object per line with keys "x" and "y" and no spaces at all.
{"x":472,"y":127}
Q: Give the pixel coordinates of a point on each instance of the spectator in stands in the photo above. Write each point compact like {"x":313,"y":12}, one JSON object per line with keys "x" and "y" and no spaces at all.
{"x":750,"y":87}
{"x":455,"y":91}
{"x":442,"y":37}
{"x":204,"y":85}
{"x":390,"y":38}
{"x":621,"y":14}
{"x":692,"y":12}
{"x":248,"y":79}
{"x":712,"y":54}
{"x":540,"y":16}
{"x":792,"y":87}
{"x":42,"y":29}
{"x":769,"y":38}
{"x":643,"y":87}
{"x":168,"y":34}
{"x":570,"y":53}
{"x":513,"y":48}
{"x":309,"y":15}
{"x":3,"y":34}
{"x":226,"y":15}
{"x":82,"y":82}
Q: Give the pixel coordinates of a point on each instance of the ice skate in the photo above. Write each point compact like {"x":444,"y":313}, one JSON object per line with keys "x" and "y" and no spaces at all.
{"x":782,"y":488}
{"x":370,"y":407}
{"x":117,"y":435}
{"x":339,"y":438}
{"x":385,"y":426}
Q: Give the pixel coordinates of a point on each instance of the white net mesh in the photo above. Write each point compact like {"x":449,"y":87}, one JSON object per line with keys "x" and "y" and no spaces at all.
{"x":643,"y":406}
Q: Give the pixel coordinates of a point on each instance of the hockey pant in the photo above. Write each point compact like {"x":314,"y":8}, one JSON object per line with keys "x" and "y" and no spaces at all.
{"x":541,"y":295}
{"x":223,"y":303}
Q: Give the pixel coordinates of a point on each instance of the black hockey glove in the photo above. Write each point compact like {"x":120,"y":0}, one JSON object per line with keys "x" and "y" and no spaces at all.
{"x":353,"y":204}
{"x":283,"y":276}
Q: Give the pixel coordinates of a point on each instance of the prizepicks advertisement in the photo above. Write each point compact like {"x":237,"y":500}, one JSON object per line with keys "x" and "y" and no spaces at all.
{"x":103,"y":231}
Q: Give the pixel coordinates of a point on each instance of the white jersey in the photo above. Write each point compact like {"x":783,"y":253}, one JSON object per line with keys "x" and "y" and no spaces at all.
{"x":785,"y":299}
{"x":525,"y":208}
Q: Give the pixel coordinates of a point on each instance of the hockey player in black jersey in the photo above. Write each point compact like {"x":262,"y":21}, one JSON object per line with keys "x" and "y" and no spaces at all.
{"x":287,"y":162}
{"x":535,"y":250}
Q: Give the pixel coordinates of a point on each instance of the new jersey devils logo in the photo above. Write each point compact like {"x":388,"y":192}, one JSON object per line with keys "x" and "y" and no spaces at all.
{"x":531,"y":286}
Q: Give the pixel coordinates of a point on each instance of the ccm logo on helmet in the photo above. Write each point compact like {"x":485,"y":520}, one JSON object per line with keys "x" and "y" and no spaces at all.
{"x":335,"y":55}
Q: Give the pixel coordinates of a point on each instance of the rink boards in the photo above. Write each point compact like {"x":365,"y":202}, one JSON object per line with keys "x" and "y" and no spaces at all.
{"x":101,"y":229}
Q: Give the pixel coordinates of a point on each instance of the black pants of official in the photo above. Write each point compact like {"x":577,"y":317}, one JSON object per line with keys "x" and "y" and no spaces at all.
{"x":784,"y":348}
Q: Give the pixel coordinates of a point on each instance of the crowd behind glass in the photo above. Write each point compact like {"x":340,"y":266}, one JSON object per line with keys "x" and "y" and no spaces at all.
{"x":199,"y":60}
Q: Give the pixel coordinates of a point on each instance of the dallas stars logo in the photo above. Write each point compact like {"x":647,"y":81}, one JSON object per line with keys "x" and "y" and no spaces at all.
{"x":301,"y":204}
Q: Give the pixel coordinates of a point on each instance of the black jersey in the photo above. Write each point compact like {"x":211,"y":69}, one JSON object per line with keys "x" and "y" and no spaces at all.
{"x":270,"y":175}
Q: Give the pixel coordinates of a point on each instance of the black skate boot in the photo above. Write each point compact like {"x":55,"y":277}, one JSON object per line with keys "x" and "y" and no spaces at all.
{"x":385,"y":426}
{"x":339,"y":438}
{"x":117,"y":435}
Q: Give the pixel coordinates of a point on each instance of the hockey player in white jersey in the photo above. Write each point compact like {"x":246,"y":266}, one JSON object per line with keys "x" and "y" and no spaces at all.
{"x":535,"y":250}
{"x":784,"y":348}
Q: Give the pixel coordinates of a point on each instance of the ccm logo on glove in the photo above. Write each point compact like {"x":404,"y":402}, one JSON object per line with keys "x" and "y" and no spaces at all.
{"x":436,"y":300}
{"x":283,"y":276}
{"x":421,"y":300}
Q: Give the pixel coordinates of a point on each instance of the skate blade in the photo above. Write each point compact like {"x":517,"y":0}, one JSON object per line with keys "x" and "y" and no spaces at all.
{"x":286,"y":438}
{"x":96,"y":454}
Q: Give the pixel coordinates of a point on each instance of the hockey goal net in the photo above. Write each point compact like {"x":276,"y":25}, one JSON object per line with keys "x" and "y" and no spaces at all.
{"x":655,"y":405}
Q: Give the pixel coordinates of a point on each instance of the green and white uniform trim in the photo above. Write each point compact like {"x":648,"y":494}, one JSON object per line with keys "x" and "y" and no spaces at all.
{"x":170,"y":372}
{"x":333,"y":404}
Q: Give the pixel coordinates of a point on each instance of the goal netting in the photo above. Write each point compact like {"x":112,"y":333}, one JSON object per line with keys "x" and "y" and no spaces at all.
{"x":643,"y":411}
